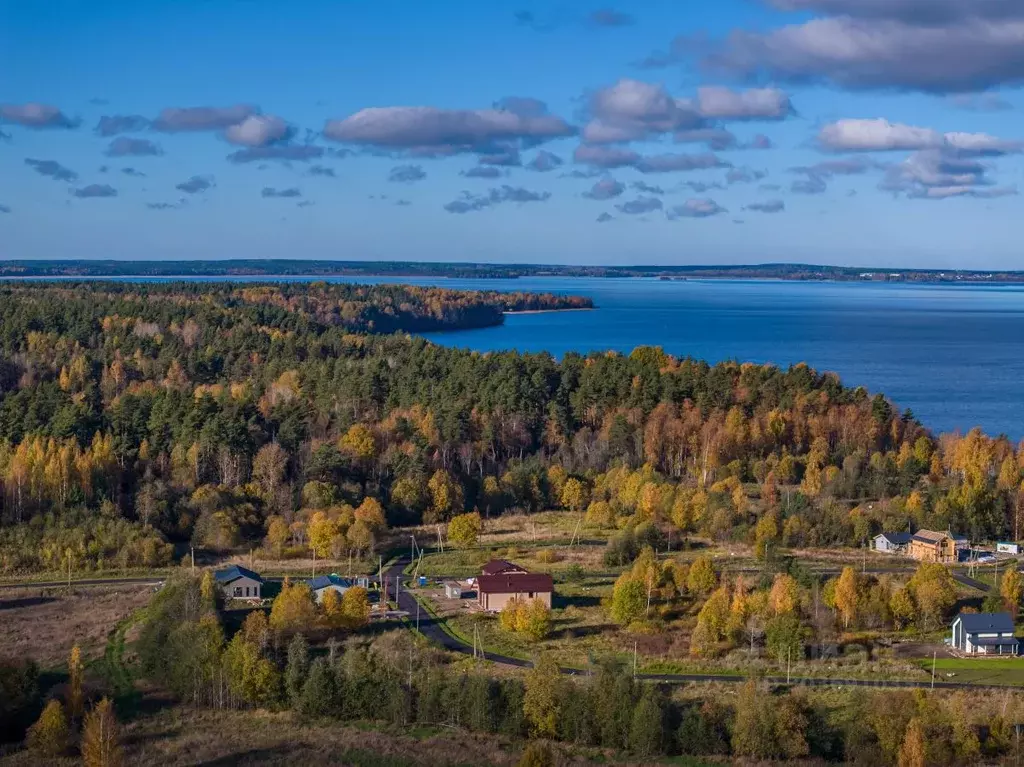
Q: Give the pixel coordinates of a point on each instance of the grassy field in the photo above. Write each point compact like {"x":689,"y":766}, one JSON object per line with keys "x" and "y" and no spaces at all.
{"x":177,"y":736}
{"x":1005,"y":671}
{"x":44,"y":624}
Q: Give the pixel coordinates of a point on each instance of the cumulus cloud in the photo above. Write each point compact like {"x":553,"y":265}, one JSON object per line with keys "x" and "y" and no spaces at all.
{"x":846,"y":166}
{"x":698,"y":208}
{"x":810,"y":185}
{"x":640,"y":205}
{"x":760,"y":141}
{"x":525,"y":106}
{"x":880,"y":135}
{"x":604,"y":217}
{"x":716,"y":138}
{"x":930,"y":12}
{"x":429,"y":130}
{"x":321,"y":170}
{"x":605,"y":189}
{"x":744,"y":176}
{"x":508,"y":157}
{"x":269,"y":191}
{"x":604,"y":157}
{"x":133,"y":173}
{"x":164,"y":205}
{"x":668,"y":163}
{"x":35,"y":115}
{"x":196,"y":184}
{"x":181,"y":119}
{"x":95,"y":190}
{"x":700,"y":187}
{"x":757,"y":104}
{"x":939,"y":174}
{"x":469,"y":202}
{"x":407,"y":174}
{"x":608,"y":17}
{"x":964,"y":52}
{"x":282,"y":152}
{"x":544,"y":161}
{"x":123,"y":146}
{"x":257,"y":130}
{"x":631,"y":110}
{"x":5,"y":209}
{"x":642,"y":186}
{"x":112,"y":125}
{"x":771,"y":206}
{"x":482,"y":171}
{"x":51,"y":168}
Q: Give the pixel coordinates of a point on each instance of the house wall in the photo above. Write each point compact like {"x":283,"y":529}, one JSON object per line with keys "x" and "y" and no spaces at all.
{"x":319,"y":593}
{"x":237,"y":589}
{"x":944,"y":551}
{"x":496,"y":602}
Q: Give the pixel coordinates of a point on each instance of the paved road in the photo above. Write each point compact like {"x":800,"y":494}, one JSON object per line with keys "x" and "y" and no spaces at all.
{"x":432,"y":630}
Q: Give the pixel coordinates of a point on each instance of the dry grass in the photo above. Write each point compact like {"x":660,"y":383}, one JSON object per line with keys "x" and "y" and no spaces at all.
{"x":182,"y":736}
{"x":44,"y":624}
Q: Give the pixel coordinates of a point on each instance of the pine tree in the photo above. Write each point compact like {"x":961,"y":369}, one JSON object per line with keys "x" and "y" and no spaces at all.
{"x":101,"y":744}
{"x":320,"y":692}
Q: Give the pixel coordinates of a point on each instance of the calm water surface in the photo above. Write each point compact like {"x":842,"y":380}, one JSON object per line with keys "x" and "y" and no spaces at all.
{"x":952,"y":354}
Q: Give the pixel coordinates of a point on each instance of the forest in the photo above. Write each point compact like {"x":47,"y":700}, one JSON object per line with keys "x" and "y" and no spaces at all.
{"x":137,"y":416}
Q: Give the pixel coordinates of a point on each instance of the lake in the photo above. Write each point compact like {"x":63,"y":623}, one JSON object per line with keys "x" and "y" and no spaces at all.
{"x":953,"y":354}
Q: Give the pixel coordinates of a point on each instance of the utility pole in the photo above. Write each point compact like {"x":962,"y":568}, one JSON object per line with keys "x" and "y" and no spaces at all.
{"x":789,"y":652}
{"x":314,"y":563}
{"x":193,"y":550}
{"x":634,"y":660}
{"x":417,"y":615}
{"x":933,"y":669}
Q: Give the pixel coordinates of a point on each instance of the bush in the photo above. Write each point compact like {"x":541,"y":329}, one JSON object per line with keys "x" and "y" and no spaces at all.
{"x":548,"y":556}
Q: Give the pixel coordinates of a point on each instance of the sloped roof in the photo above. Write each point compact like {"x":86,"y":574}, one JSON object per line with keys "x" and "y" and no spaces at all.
{"x":496,"y":566}
{"x":233,"y":573}
{"x":323,"y":581}
{"x":897,"y":539}
{"x":515,"y":583}
{"x":930,"y":536}
{"x":986,"y":623}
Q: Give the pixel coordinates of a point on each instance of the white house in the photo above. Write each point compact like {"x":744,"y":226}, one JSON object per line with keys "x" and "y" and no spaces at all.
{"x":333,"y":582}
{"x":984,"y":634}
{"x":892,"y":543}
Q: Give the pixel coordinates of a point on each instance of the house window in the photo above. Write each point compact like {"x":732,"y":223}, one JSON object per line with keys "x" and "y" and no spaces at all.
{"x":531,"y":595}
{"x":238,"y":591}
{"x":247,"y":591}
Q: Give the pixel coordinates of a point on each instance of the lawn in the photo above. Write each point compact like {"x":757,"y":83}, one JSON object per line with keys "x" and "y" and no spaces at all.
{"x":1001,"y":671}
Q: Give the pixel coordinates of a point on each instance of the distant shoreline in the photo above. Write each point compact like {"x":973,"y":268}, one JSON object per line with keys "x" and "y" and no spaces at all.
{"x":552,"y":311}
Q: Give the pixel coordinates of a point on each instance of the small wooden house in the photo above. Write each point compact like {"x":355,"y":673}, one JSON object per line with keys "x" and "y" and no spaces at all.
{"x":496,"y":591}
{"x":453,"y":590}
{"x":237,"y":582}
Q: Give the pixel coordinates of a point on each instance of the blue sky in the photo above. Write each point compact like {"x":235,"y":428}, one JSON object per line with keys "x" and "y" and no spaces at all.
{"x":871,"y":132}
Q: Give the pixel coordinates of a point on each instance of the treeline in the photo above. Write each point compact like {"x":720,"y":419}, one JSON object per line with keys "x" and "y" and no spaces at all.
{"x":241,"y":268}
{"x":272,"y":665}
{"x":203,"y":411}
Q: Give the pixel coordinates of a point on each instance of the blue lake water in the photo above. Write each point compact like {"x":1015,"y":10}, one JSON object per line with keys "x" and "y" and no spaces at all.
{"x":954,"y":354}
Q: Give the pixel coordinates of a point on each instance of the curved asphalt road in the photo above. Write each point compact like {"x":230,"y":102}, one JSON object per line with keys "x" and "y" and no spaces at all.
{"x":431,"y":628}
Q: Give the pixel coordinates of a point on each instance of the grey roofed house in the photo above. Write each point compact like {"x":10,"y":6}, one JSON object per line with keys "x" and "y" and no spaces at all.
{"x":333,"y":582}
{"x":984,"y":634}
{"x":238,"y":582}
{"x":892,"y":541}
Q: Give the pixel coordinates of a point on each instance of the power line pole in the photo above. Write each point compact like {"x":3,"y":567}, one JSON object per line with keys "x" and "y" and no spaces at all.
{"x":933,"y":669}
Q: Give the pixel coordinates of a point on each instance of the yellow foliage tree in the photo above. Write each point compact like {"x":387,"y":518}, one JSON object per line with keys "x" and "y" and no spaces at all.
{"x":101,"y":739}
{"x":321,"y":532}
{"x":463,"y":529}
{"x":293,"y":608}
{"x":847,"y":595}
{"x":49,"y":735}
{"x":355,"y":607}
{"x":784,"y":596}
